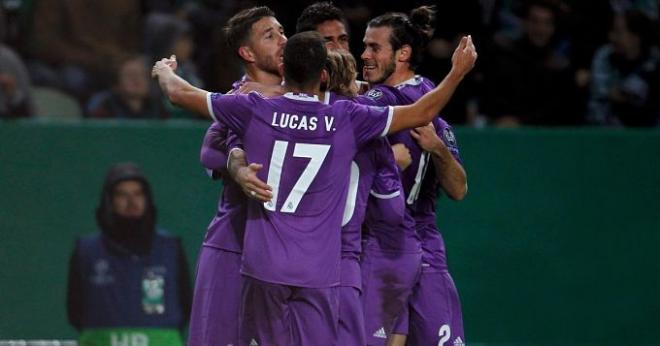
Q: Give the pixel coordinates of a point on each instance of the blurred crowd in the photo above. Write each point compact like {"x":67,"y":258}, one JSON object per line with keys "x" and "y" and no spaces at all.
{"x":541,"y":62}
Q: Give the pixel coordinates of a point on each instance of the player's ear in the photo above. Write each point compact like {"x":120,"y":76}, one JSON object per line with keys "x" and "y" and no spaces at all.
{"x":324,"y":76}
{"x":280,"y":69}
{"x":246,"y":53}
{"x":404,"y":53}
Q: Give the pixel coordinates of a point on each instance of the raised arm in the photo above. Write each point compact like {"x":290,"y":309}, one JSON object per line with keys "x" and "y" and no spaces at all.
{"x":177,"y":90}
{"x":426,"y":108}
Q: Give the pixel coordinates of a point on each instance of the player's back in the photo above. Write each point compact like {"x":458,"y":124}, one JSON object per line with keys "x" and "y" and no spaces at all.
{"x":306,"y":148}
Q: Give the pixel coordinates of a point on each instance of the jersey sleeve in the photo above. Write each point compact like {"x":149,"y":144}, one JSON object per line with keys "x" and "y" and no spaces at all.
{"x":213,"y":155}
{"x":234,"y":111}
{"x":368,"y":122}
{"x":387,"y":183}
{"x":377,"y":96}
{"x":446,"y":133}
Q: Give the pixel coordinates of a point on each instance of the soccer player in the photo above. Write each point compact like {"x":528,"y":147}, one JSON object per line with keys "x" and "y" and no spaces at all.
{"x":258,"y":39}
{"x":434,"y":313}
{"x":374,"y":172}
{"x":327,"y":20}
{"x":392,"y":262}
{"x":291,"y":254}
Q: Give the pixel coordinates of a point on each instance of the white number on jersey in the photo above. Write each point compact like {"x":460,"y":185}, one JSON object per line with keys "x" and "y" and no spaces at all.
{"x":419,"y":177}
{"x":444,"y":333}
{"x":315,"y":152}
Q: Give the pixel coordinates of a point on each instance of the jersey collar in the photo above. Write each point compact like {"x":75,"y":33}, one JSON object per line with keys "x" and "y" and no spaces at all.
{"x":302,"y":97}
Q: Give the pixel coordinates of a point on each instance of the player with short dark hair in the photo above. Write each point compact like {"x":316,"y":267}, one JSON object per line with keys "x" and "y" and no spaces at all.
{"x":291,"y":255}
{"x":327,"y":20}
{"x":257,"y":38}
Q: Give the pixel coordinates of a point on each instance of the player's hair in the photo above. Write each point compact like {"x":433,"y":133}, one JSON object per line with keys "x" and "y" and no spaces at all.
{"x":239,"y":27}
{"x":304,"y":58}
{"x":317,"y":13}
{"x":342,"y":71}
{"x":415,"y":30}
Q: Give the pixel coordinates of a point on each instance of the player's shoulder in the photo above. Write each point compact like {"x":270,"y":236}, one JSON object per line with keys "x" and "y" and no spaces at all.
{"x":445,"y":130}
{"x":416,"y":82}
{"x":380,"y":91}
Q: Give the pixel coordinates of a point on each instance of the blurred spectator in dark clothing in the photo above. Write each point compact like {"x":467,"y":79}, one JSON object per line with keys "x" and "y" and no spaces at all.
{"x":77,"y":42}
{"x":130,"y":97}
{"x":166,"y":35}
{"x":15,"y":100}
{"x":454,"y":19}
{"x":625,"y":88}
{"x":128,"y":283}
{"x":531,"y":82}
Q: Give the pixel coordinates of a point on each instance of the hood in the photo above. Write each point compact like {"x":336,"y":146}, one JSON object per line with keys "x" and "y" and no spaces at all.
{"x":126,"y":234}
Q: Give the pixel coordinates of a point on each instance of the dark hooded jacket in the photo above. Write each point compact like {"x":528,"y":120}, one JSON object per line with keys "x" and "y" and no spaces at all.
{"x":123,"y":234}
{"x":136,"y":242}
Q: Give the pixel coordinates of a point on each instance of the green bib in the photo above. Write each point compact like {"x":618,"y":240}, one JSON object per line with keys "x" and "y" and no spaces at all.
{"x":130,"y":337}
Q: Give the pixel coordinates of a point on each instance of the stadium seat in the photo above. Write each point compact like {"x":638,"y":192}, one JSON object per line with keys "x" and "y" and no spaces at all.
{"x":51,"y":103}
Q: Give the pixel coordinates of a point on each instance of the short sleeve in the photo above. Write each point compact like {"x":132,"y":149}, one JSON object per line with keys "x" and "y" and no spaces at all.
{"x":234,"y":111}
{"x":446,"y":133}
{"x":377,"y":96}
{"x":387,"y":183}
{"x":368,"y":122}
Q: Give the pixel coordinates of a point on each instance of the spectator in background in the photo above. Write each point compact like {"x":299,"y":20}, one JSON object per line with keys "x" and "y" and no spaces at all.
{"x":167,"y":34}
{"x":15,"y":100}
{"x":625,"y":89}
{"x":77,"y":42}
{"x":130,"y":97}
{"x":532,"y":82}
{"x":131,"y":274}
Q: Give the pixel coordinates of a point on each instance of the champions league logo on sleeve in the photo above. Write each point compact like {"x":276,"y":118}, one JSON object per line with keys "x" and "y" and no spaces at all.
{"x":449,"y":137}
{"x":374,"y":94}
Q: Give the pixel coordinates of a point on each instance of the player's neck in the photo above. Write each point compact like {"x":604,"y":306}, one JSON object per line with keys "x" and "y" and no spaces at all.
{"x":399,"y":76}
{"x":309,"y":90}
{"x":260,"y":76}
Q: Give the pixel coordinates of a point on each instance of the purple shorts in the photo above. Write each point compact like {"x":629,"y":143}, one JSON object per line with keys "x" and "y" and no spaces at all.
{"x":387,"y":284}
{"x":274,"y":314}
{"x":216,"y":301}
{"x":434,"y":313}
{"x":351,"y":318}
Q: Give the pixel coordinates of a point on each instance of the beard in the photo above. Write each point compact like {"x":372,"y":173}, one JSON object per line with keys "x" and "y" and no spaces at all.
{"x":387,"y":72}
{"x":268,"y":64}
{"x":132,"y":233}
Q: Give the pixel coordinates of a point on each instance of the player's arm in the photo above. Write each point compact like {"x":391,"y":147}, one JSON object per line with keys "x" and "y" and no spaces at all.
{"x":401,"y":156}
{"x":177,"y":90}
{"x":246,"y":176}
{"x":453,"y":179}
{"x":426,"y":108}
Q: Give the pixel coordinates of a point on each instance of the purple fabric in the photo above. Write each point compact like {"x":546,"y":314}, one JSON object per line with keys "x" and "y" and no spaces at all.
{"x":433,"y":245}
{"x":295,"y":239}
{"x":387,"y":284}
{"x":275,"y":314}
{"x":351,"y":318}
{"x":215,"y":308}
{"x":435,"y":316}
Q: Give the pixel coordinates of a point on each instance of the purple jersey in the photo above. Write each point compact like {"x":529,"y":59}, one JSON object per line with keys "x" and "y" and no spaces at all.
{"x":306,"y":148}
{"x":373,"y":171}
{"x":402,"y":94}
{"x":381,"y":235}
{"x":433,"y":245}
{"x":227,"y":228}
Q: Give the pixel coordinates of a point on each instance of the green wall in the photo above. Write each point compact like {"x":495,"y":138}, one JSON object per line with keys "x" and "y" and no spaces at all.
{"x":558,"y":241}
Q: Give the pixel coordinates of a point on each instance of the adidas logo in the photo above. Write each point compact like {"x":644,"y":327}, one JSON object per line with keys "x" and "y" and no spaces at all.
{"x":380,"y":333}
{"x":254,"y":343}
{"x":459,"y":342}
